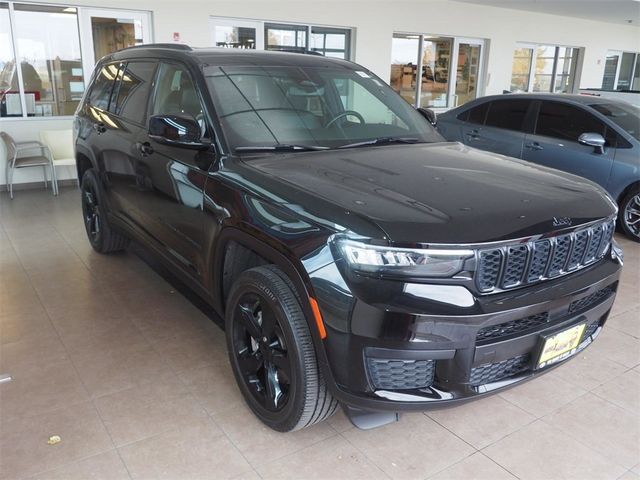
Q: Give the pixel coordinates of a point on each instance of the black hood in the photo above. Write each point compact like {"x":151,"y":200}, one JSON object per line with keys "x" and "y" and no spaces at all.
{"x":437,"y":193}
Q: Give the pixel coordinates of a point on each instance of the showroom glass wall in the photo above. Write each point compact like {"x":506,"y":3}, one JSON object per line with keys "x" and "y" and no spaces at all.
{"x":621,"y":71}
{"x":257,"y":34}
{"x":544,"y":68}
{"x":435,"y":57}
{"x":56,"y":48}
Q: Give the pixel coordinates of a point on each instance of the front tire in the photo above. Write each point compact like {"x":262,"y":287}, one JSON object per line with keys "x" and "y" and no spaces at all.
{"x":629,"y":214}
{"x":272,"y":354}
{"x":101,"y":235}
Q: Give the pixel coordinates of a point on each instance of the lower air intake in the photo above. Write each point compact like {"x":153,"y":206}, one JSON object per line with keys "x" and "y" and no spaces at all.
{"x":395,"y":374}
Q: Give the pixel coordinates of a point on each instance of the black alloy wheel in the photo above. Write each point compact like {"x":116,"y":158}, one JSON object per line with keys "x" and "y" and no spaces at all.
{"x":101,"y":235}
{"x":629,"y":216}
{"x":272,"y":353}
{"x":91,"y":214}
{"x":262,"y":353}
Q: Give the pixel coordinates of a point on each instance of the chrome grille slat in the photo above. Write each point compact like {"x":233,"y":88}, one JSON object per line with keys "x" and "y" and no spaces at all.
{"x":516,"y":264}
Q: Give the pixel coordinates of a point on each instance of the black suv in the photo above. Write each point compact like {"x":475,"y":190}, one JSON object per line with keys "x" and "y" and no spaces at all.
{"x":355,"y":256}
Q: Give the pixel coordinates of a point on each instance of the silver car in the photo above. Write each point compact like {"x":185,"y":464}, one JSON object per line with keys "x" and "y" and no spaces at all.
{"x":596,"y":138}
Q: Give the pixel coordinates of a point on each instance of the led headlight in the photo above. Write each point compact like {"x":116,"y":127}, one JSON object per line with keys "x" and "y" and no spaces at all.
{"x":439,"y":263}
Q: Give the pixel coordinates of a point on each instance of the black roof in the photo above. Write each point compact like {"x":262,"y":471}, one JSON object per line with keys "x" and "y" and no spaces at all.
{"x":227,"y":56}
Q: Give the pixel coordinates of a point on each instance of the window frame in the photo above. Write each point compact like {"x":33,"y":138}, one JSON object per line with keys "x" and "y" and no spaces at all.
{"x":456,"y":41}
{"x":634,"y":67}
{"x":84,"y":32}
{"x":576,"y":67}
{"x":261,"y":31}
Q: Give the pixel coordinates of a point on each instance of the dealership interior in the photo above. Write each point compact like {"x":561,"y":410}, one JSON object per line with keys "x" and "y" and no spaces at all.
{"x":111,"y":367}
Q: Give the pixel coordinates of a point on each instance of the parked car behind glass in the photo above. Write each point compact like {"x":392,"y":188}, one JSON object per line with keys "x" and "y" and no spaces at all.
{"x":596,"y":138}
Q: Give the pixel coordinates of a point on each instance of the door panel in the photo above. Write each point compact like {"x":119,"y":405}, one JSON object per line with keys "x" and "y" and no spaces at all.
{"x":172,"y":198}
{"x":555,"y":142}
{"x":111,"y":139}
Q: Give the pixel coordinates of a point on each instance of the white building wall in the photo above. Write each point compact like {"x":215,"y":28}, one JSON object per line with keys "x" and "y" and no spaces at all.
{"x":374,"y":22}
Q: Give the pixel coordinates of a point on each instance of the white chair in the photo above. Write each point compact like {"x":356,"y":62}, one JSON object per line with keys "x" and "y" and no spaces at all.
{"x":60,"y":145}
{"x":23,"y":155}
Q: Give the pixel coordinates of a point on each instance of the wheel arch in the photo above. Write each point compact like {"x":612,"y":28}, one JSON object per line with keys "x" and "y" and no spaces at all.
{"x":84,"y":161}
{"x":627,"y":189}
{"x":277,"y":254}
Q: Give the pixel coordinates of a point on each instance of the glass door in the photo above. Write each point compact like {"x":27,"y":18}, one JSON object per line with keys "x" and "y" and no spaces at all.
{"x":436,"y":65}
{"x":236,"y":33}
{"x":107,"y":31}
{"x":468,"y":58}
{"x":610,"y":70}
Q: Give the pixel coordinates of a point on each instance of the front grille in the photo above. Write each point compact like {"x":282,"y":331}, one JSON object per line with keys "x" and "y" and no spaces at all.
{"x":396,"y":374}
{"x":493,"y":372}
{"x":518,"y":264}
{"x":592,"y":299}
{"x":514,"y":326}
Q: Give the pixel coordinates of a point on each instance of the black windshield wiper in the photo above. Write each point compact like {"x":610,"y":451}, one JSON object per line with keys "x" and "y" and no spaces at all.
{"x":382,"y":141}
{"x":280,"y":147}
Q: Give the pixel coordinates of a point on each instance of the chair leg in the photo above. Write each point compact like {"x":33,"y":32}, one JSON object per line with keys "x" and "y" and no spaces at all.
{"x":10,"y":182}
{"x":54,"y":179}
{"x":44,"y":172}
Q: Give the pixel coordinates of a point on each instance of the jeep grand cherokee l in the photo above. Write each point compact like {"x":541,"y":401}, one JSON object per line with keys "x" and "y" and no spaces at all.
{"x":355,"y":257}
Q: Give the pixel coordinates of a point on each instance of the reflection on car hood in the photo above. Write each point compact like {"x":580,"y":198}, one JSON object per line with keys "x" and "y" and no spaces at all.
{"x":437,"y":193}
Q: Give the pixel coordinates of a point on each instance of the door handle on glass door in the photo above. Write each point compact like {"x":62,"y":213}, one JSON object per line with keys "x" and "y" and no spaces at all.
{"x":534,"y":146}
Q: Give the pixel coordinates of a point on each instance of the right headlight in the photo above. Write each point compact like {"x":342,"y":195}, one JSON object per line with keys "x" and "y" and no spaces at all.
{"x":427,"y":262}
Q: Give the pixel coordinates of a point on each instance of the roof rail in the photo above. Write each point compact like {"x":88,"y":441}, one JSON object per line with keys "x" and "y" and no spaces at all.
{"x":171,"y":46}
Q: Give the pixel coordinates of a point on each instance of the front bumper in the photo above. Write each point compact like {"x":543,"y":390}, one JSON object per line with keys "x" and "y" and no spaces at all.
{"x":383,"y":356}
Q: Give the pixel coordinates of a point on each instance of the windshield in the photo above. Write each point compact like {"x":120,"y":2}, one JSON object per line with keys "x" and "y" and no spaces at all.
{"x":311,"y":107}
{"x":626,"y":117}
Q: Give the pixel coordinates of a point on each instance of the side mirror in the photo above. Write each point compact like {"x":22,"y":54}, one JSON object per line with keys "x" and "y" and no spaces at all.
{"x":594,"y":140}
{"x":429,"y":114}
{"x":177,"y":130}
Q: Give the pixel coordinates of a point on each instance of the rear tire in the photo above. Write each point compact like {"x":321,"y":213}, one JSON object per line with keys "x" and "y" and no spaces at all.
{"x":629,"y":212}
{"x":103,"y":238}
{"x":272,"y":354}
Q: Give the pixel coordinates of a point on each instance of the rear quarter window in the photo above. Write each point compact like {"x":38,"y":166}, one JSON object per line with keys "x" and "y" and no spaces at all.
{"x":476,"y":114}
{"x":100,"y":93}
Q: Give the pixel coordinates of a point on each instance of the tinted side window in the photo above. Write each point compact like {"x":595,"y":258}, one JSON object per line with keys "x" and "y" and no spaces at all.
{"x":478,"y":114}
{"x":175,"y":92}
{"x":133,"y":91}
{"x":507,"y":114}
{"x":100,"y":93}
{"x":566,"y":122}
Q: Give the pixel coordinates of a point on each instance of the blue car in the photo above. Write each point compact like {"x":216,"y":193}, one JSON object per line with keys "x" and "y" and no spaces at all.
{"x":596,"y":138}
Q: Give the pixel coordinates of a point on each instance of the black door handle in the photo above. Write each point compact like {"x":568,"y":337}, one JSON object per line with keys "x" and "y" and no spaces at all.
{"x":145,"y":149}
{"x":473,"y":134}
{"x":534,"y":146}
{"x":99,"y":127}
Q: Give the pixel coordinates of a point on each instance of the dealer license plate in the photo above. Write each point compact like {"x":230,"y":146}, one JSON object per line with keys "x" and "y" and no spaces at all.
{"x":561,"y":345}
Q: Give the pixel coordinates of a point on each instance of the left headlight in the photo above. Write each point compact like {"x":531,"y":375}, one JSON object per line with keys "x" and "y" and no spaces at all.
{"x":434,"y":263}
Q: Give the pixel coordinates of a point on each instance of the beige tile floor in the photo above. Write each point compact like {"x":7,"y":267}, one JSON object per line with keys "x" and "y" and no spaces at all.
{"x":134,"y":379}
